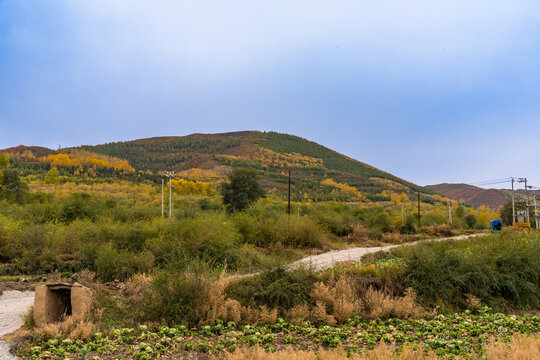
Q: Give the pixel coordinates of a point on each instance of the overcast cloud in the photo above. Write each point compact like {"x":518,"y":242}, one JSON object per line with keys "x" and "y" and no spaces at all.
{"x":431,"y":91}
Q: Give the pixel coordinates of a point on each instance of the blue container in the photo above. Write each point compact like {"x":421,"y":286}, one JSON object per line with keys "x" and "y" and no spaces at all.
{"x":496,"y":226}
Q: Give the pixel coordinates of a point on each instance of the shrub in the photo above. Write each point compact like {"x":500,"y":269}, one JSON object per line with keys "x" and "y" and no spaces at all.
{"x":499,"y":267}
{"x":334,"y":217}
{"x":78,"y":207}
{"x":111,"y":264}
{"x":276,"y":289}
{"x":179,"y":297}
{"x":211,"y":238}
{"x":289,"y":230}
{"x":471,"y":221}
{"x":298,"y":232}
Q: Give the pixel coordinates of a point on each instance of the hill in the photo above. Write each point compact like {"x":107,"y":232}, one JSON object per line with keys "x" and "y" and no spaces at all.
{"x":473,"y":195}
{"x":319,"y":173}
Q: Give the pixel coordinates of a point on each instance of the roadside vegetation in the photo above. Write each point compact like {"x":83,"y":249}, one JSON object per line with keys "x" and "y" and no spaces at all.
{"x":214,"y":280}
{"x":117,"y":238}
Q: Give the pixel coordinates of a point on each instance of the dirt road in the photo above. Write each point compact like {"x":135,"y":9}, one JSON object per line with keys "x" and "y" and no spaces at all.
{"x":13,"y":306}
{"x":329,"y":259}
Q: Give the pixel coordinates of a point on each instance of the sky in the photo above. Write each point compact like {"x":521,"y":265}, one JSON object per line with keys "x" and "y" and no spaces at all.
{"x":430,"y":91}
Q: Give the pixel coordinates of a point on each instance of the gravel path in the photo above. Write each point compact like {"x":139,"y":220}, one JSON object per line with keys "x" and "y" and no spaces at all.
{"x":329,"y":259}
{"x":13,"y":306}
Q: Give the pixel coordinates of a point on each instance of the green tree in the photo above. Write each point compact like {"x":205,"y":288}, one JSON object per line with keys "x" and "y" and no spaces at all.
{"x":4,"y":164}
{"x":11,"y":186}
{"x":506,"y":211}
{"x":471,"y":221}
{"x":4,"y":161}
{"x":460,"y":211}
{"x":52,"y":177}
{"x":241,"y":190}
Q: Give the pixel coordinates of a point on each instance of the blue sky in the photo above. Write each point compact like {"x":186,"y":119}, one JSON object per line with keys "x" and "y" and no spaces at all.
{"x":431,"y":91}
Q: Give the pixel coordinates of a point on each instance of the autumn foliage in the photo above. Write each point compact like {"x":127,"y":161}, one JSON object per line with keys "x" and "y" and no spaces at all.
{"x":81,"y":158}
{"x":342,"y":189}
{"x":184,"y":187}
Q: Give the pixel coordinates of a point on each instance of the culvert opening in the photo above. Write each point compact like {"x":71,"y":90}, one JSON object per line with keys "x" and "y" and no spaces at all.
{"x":60,"y":306}
{"x":54,"y":302}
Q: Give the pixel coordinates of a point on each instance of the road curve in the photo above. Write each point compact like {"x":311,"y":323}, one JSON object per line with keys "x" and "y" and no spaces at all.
{"x":331,"y":258}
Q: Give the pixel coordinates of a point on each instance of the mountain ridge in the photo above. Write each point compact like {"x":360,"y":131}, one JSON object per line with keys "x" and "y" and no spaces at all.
{"x":474,"y":195}
{"x":319,"y":172}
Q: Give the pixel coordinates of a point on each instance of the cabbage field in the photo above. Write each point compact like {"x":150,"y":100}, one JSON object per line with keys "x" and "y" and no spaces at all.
{"x":464,"y":334}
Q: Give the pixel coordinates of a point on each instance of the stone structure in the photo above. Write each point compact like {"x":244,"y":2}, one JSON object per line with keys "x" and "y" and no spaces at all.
{"x":52,"y":301}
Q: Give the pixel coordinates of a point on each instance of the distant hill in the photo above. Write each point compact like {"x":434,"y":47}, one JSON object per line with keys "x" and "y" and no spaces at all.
{"x":319,"y":173}
{"x":474,"y":195}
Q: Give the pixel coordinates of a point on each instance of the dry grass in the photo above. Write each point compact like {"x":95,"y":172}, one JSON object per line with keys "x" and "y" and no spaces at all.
{"x":16,"y":336}
{"x":220,"y":307}
{"x":392,"y":238}
{"x":520,"y":348}
{"x":85,"y":277}
{"x":438,"y":230}
{"x":71,"y":327}
{"x":380,"y":353}
{"x":339,"y":300}
{"x":473,"y":303}
{"x":378,"y":304}
{"x":137,"y":288}
{"x":359,"y":234}
{"x":299,"y":313}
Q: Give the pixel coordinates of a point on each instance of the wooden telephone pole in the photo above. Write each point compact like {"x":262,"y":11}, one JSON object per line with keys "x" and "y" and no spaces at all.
{"x":418,"y":208}
{"x":289,"y":198}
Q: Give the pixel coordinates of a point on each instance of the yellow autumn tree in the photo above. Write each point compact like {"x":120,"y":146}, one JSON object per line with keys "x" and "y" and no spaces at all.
{"x":342,"y":189}
{"x":81,"y":158}
{"x":398,"y":198}
{"x":52,"y":177}
{"x":4,"y":163}
{"x":184,"y":187}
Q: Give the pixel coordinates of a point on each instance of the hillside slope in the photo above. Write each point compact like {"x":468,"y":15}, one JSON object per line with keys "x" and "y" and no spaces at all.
{"x":474,"y":195}
{"x":318,"y":173}
{"x":272,"y":153}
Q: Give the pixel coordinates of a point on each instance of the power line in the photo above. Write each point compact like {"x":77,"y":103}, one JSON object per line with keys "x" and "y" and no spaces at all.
{"x":494,"y":181}
{"x":491,"y":183}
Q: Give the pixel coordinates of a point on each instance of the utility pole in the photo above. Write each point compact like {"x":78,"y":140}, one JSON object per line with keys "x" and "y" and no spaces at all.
{"x":450,"y":213}
{"x":162,"y":208}
{"x":170,"y":175}
{"x":513,"y":204}
{"x":535,"y":209}
{"x":289,"y":201}
{"x":418,"y":208}
{"x":527,"y":206}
